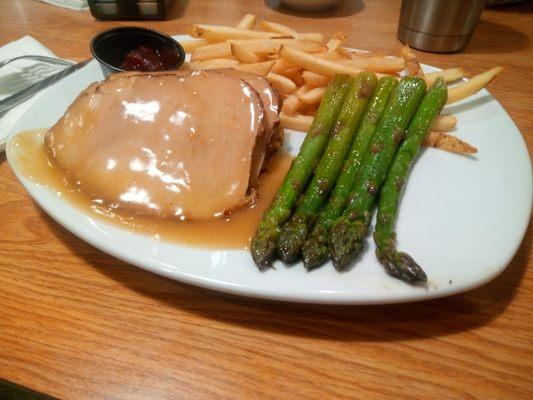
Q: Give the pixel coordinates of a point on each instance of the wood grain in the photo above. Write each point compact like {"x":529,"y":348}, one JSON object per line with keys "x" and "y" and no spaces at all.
{"x":78,"y":324}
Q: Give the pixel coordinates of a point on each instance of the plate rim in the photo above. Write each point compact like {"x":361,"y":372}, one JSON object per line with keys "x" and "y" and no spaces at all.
{"x":225,"y":287}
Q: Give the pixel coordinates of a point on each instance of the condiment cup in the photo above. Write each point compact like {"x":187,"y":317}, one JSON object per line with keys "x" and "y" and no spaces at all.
{"x":110,"y":47}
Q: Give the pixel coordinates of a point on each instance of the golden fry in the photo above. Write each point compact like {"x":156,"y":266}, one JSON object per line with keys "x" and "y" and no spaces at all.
{"x":444,"y":123}
{"x":333,"y":56}
{"x":274,"y":27}
{"x":191,"y":45}
{"x":281,"y":83}
{"x":447,"y":142}
{"x":281,"y":65}
{"x":272,"y":46}
{"x":449,"y":75}
{"x":294,"y":75}
{"x":411,"y":62}
{"x":214,"y":63}
{"x":261,"y":68}
{"x":313,"y":79}
{"x":377,"y":64}
{"x":310,"y":109}
{"x":291,"y":104}
{"x":354,"y":53}
{"x":313,"y":96}
{"x":472,"y":86}
{"x":218,"y":33}
{"x":247,"y":22}
{"x":335,"y":43}
{"x":296,"y":122}
{"x":244,"y":55}
{"x":217,"y":50}
{"x":315,"y":64}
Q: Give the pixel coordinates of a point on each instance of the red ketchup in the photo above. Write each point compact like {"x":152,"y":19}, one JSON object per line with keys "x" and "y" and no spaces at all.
{"x":146,"y":58}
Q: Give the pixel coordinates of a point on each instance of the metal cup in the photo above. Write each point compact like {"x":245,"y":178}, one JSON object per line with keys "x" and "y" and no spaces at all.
{"x":440,"y":26}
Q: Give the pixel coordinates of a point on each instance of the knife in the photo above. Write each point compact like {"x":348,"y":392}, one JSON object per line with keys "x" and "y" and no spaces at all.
{"x":24,"y":94}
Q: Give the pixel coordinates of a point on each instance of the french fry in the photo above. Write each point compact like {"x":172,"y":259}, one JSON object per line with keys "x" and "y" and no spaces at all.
{"x":472,"y":86}
{"x":313,"y":79}
{"x":377,"y":64}
{"x":367,"y":53}
{"x":261,"y":68}
{"x":309,"y":109}
{"x":291,"y":104}
{"x":294,"y":75}
{"x":333,"y":44}
{"x":283,"y":97}
{"x":354,"y":53}
{"x":315,"y":64}
{"x":261,"y":48}
{"x":313,"y":96}
{"x":214,"y":63}
{"x":449,"y":75}
{"x":271,"y":46}
{"x":243,"y":55}
{"x":333,"y":56}
{"x":411,"y":62}
{"x":296,"y":122}
{"x":276,"y":28}
{"x":297,"y":78}
{"x":219,"y":33}
{"x":247,"y":22}
{"x":217,"y":50}
{"x":281,"y":65}
{"x":281,"y":83}
{"x":336,"y":42}
{"x":447,"y":142}
{"x":302,"y":90}
{"x":285,"y":30}
{"x":191,"y":45}
{"x":444,"y":123}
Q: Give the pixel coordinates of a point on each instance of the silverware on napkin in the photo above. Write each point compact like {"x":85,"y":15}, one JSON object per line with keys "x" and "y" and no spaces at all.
{"x":19,"y":97}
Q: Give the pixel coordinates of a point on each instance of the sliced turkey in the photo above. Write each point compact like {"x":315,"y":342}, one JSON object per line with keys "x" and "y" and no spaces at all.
{"x":188,"y":145}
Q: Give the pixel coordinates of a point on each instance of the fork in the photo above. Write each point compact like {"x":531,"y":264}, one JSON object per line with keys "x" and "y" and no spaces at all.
{"x":50,"y":60}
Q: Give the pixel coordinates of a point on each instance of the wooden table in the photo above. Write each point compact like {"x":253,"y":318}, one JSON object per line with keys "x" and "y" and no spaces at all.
{"x":78,"y":324}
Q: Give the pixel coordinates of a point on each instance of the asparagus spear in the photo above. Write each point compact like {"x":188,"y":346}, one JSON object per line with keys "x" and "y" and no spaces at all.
{"x":263,"y":244}
{"x":315,"y":249}
{"x":347,"y":233}
{"x":294,"y":232}
{"x":398,"y":264}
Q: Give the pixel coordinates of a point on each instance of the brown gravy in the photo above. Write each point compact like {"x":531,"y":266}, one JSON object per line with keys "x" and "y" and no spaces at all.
{"x":32,"y":160}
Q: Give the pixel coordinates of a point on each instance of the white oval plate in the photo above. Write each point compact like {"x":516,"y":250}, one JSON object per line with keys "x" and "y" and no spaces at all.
{"x":462,"y":218}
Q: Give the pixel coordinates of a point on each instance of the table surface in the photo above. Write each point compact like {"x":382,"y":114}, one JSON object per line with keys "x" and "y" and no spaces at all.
{"x":78,"y":324}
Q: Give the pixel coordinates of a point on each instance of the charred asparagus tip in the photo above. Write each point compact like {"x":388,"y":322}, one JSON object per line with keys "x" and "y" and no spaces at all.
{"x":263,"y":248}
{"x":402,"y":266}
{"x":345,"y":243}
{"x":314,"y":253}
{"x":291,"y":240}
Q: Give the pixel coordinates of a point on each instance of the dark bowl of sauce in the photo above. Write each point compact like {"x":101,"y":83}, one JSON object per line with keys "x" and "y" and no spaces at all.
{"x":136,"y":49}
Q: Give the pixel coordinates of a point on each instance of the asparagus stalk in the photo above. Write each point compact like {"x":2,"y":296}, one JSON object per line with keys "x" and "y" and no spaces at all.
{"x":347,"y":233}
{"x":398,"y":264}
{"x":263,"y":245}
{"x":294,"y":232}
{"x":315,"y":249}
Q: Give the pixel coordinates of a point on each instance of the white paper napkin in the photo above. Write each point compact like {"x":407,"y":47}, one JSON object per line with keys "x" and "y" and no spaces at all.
{"x":19,"y":74}
{"x":72,"y":4}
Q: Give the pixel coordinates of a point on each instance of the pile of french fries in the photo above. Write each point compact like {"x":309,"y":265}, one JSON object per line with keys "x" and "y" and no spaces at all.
{"x":300,"y":66}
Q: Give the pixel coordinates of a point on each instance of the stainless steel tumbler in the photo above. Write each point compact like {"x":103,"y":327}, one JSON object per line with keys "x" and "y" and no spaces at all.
{"x":439,"y":26}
